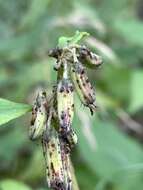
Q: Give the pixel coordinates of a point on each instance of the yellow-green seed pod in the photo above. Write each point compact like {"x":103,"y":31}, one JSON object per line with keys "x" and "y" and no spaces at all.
{"x":88,"y":58}
{"x":76,"y":85}
{"x":53,"y":161}
{"x":66,"y":166}
{"x":39,"y":117}
{"x":83,"y":87}
{"x":84,"y":84}
{"x":65,"y":104}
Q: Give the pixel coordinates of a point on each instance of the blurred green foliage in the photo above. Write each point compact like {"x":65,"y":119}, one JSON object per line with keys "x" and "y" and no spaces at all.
{"x":109,"y":155}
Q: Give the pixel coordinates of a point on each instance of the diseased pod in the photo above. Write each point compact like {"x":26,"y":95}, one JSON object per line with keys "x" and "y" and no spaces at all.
{"x":53,"y":160}
{"x":65,"y":107}
{"x":39,"y":116}
{"x":52,"y":116}
{"x":83,"y":87}
{"x":88,"y":58}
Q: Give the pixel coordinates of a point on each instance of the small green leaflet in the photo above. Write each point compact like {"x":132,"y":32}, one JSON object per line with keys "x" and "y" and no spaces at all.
{"x":65,"y":41}
{"x":11,"y":110}
{"x":13,"y":185}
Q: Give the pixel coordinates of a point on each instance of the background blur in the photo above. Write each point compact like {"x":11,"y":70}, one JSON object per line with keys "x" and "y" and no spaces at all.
{"x":109,"y":153}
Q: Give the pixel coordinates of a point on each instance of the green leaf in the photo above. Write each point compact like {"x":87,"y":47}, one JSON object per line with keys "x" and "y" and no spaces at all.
{"x":136,"y":91}
{"x":13,"y":185}
{"x":65,"y":41}
{"x":115,"y":8}
{"x":47,"y":77}
{"x":105,"y":149}
{"x":29,"y":174}
{"x":11,"y":110}
{"x":120,"y":86}
{"x":131,"y":30}
{"x":82,"y":171}
{"x":35,"y":11}
{"x":16,"y":48}
{"x":112,"y":158}
{"x":13,"y":140}
{"x":126,"y":179}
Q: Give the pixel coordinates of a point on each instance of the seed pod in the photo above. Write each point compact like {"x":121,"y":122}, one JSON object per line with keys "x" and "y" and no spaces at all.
{"x":70,"y":139}
{"x":39,"y":116}
{"x":56,"y":53}
{"x":53,"y":161}
{"x":66,"y":166}
{"x":89,"y":59}
{"x":65,"y":104}
{"x":83,"y":86}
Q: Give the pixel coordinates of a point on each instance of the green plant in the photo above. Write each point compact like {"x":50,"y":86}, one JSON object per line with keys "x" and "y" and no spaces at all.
{"x":109,"y":141}
{"x":52,"y":116}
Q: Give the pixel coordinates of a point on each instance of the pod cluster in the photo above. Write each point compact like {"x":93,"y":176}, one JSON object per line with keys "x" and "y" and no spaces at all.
{"x":52,"y":116}
{"x":77,"y":58}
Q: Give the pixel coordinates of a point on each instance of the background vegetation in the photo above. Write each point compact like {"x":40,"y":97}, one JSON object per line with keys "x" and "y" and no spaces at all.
{"x":109,"y":153}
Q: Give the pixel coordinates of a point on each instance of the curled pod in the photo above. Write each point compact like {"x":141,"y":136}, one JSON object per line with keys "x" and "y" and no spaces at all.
{"x":56,"y":53}
{"x":53,"y":160}
{"x":83,"y":87}
{"x":39,"y":116}
{"x":88,"y":58}
{"x":65,"y":104}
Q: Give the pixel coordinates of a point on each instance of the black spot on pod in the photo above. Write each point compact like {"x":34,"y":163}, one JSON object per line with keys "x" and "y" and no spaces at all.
{"x":62,"y":89}
{"x":63,"y":115}
{"x":67,"y":91}
{"x":77,"y":81}
{"x":82,"y":71}
{"x":87,"y":80}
